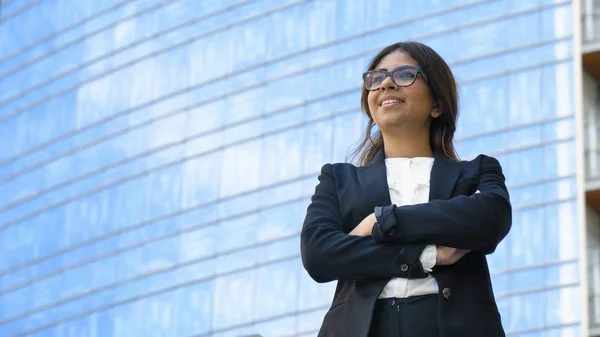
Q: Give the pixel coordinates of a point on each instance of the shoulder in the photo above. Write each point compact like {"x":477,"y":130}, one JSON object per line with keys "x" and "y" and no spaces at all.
{"x":341,"y":172}
{"x":340,"y":167}
{"x":482,"y":161}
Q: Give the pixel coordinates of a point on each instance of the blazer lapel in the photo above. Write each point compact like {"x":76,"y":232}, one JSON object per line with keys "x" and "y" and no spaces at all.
{"x":444,"y":174}
{"x":373,"y":180}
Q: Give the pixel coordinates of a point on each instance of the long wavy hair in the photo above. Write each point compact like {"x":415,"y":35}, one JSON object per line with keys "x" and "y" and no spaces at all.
{"x":445,"y":96}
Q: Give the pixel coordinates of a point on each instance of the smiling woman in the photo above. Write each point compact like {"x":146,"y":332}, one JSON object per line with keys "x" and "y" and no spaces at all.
{"x":405,"y":233}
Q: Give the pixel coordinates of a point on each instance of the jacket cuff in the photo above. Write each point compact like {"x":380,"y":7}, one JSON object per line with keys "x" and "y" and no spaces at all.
{"x":386,"y":226}
{"x":407,"y":263}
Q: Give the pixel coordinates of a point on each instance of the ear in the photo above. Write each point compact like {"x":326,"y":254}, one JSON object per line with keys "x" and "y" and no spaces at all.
{"x":435,"y":112}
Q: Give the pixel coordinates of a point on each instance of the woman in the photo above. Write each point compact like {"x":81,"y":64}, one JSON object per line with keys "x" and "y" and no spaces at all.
{"x":407,"y":231}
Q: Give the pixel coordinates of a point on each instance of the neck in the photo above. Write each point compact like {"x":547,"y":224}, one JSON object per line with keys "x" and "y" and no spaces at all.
{"x":407,"y":145}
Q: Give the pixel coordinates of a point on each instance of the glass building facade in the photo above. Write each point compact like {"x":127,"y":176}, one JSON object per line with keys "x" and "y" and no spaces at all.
{"x":157,"y":157}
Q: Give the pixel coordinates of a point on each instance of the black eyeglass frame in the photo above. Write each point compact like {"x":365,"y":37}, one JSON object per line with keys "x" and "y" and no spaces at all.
{"x":391,"y":73}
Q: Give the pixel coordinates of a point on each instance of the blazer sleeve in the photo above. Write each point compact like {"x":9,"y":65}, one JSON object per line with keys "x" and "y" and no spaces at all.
{"x":328,"y":253}
{"x":476,"y":222}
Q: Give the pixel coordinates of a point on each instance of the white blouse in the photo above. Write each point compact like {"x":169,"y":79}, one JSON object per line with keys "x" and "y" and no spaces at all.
{"x":408,"y":181}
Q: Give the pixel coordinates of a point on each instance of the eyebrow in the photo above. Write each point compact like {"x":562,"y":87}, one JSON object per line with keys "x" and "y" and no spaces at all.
{"x":386,"y":69}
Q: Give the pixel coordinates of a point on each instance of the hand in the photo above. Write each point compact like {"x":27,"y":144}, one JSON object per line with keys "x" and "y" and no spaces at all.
{"x":448,"y":256}
{"x":365,"y":227}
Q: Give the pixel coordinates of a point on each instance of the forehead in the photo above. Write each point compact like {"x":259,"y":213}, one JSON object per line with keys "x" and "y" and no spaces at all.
{"x":395,"y":60}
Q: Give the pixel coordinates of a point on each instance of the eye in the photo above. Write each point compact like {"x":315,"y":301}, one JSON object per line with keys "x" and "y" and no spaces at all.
{"x":377,"y":77}
{"x":405,"y":74}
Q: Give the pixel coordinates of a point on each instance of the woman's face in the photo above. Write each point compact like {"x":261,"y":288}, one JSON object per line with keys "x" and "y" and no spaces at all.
{"x":394,"y":107}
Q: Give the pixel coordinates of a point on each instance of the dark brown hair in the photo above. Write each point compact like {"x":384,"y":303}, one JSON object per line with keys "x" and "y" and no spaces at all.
{"x":443,"y":90}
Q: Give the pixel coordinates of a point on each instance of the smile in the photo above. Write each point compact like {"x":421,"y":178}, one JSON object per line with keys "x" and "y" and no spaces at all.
{"x":389,"y":102}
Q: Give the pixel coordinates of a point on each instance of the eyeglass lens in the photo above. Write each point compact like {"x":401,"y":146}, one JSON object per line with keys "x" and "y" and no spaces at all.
{"x":400,"y":77}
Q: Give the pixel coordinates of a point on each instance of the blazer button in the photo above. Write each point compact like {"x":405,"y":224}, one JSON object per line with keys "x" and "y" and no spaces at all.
{"x":446,"y":292}
{"x":404,"y":267}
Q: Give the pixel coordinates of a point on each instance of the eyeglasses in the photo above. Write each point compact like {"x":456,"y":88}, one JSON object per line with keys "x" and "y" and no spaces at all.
{"x":403,"y":77}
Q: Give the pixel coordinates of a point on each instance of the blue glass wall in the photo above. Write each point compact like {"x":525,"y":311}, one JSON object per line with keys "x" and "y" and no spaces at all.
{"x":157,"y":157}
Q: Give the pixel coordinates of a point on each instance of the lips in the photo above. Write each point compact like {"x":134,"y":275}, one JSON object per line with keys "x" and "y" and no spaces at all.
{"x":389,"y":100}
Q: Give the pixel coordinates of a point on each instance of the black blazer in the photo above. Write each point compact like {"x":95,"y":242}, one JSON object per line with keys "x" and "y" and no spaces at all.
{"x":454,"y":217}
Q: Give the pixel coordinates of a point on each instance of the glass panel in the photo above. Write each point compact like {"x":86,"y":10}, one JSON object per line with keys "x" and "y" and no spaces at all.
{"x":526,"y":312}
{"x":197,"y":244}
{"x":286,"y":145}
{"x":280,"y":222}
{"x":322,"y":22}
{"x":241,"y":168}
{"x":559,"y":160}
{"x":527,"y":246}
{"x":280,"y":327}
{"x":243,"y":233}
{"x":236,"y":289}
{"x":276,"y":287}
{"x":195,"y":308}
{"x":483,"y":39}
{"x":524,"y":29}
{"x":483,"y":106}
{"x":563,"y":306}
{"x":350,"y":17}
{"x":279,"y":250}
{"x":525,"y":97}
{"x":314,"y":295}
{"x":235,"y":261}
{"x":561,"y":232}
{"x":557,"y":22}
{"x":557,"y":91}
{"x":348,"y":131}
{"x":316,"y":149}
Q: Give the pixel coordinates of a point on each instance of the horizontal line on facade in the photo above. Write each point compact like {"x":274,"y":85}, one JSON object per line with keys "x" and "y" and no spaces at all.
{"x":85,"y":36}
{"x":534,"y":266}
{"x":513,"y":187}
{"x":244,"y":89}
{"x":202,"y":84}
{"x":148,"y":122}
{"x":531,"y":146}
{"x":536,"y":290}
{"x":265,"y":320}
{"x":167,"y":216}
{"x":155,"y":272}
{"x":315,"y":331}
{"x":499,"y":18}
{"x":166,"y":146}
{"x":107,"y":55}
{"x":158,"y":219}
{"x":7,"y":16}
{"x":513,"y":128}
{"x":215,"y":222}
{"x":232,"y":272}
{"x":155,"y":53}
{"x":183,"y":160}
{"x":137,"y":298}
{"x":71,"y":26}
{"x":155,"y":239}
{"x":544,"y":328}
{"x":131,"y":177}
{"x":208,"y":101}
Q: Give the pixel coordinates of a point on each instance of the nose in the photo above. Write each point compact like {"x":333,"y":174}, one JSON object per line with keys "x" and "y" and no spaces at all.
{"x":388,"y":84}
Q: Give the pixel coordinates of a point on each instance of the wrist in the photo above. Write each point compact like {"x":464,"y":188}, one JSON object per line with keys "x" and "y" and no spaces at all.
{"x":385,"y":222}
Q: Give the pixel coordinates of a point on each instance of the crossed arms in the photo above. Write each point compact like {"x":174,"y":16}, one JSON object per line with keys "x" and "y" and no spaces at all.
{"x":477,"y":222}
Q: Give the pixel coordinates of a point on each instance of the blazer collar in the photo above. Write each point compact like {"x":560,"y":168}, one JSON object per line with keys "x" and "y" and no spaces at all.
{"x":444,"y":174}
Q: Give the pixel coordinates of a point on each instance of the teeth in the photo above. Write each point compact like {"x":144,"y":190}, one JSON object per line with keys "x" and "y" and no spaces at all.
{"x":390,"y":101}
